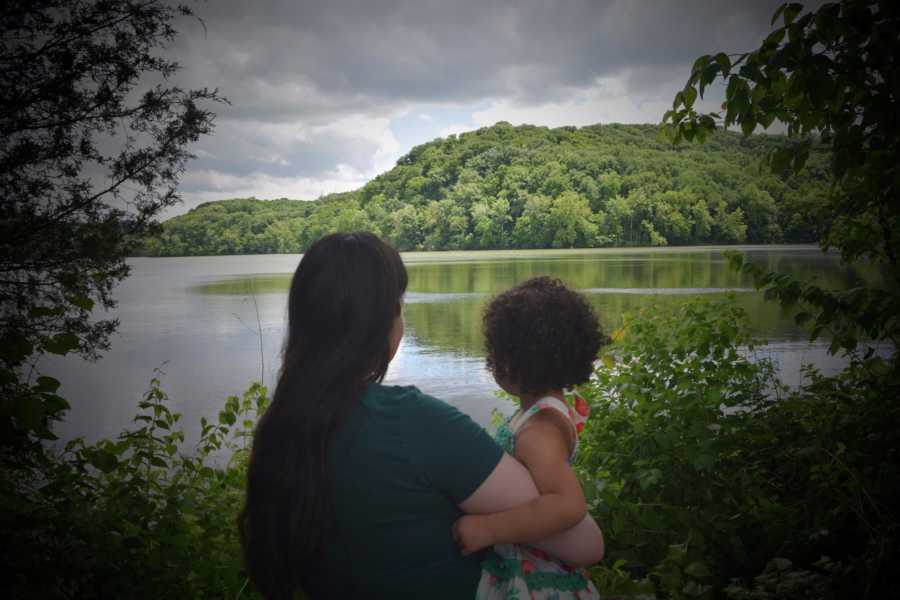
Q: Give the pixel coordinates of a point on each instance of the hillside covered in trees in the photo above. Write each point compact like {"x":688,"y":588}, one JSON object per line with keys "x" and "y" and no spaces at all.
{"x":532,"y":187}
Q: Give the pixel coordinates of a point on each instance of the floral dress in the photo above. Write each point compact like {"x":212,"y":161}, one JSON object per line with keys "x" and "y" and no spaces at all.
{"x":526,"y":573}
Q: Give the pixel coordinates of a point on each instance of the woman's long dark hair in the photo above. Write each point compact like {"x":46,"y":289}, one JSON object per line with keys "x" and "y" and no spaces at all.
{"x":344,"y":298}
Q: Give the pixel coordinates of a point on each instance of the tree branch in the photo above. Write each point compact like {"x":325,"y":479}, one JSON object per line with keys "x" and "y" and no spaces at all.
{"x":50,"y":44}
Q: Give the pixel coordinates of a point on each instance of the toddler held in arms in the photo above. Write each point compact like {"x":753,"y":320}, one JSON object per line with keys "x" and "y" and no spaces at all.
{"x":541,"y":339}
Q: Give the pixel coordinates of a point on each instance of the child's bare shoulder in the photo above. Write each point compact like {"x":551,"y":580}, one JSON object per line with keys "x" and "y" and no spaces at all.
{"x":547,"y":433}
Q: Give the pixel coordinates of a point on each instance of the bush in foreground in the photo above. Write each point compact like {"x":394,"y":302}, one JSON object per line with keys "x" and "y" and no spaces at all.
{"x":711,"y":480}
{"x":136,"y":517}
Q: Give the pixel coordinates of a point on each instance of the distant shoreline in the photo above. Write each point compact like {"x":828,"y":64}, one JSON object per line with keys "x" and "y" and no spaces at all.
{"x":444,"y":255}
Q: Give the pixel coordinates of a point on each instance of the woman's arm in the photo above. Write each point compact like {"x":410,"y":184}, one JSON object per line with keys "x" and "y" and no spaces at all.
{"x":580,"y":546}
{"x":543,"y":449}
{"x":535,"y":519}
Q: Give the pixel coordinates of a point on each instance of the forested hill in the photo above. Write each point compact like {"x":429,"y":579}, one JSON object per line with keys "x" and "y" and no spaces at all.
{"x":532,"y":187}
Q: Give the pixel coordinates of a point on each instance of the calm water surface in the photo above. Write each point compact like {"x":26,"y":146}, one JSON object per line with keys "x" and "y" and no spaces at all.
{"x":213,"y":324}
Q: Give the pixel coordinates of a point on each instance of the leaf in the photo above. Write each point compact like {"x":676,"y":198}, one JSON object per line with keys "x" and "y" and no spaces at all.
{"x":61,"y":344}
{"x":82,"y":302}
{"x":759,"y":92}
{"x":780,"y":160}
{"x":802,"y":318}
{"x":105,"y":461}
{"x":700,"y":63}
{"x":708,"y":123}
{"x":54,"y":404}
{"x":663,"y":440}
{"x":800,"y":157}
{"x":697,"y":569}
{"x":30,"y":412}
{"x":791,"y":11}
{"x":690,"y":95}
{"x":15,"y":348}
{"x":46,"y":384}
{"x":45,"y":311}
{"x":731,"y":89}
{"x":724,"y":63}
{"x":45,"y":434}
{"x":775,"y":37}
{"x":702,"y":462}
{"x":707,"y":77}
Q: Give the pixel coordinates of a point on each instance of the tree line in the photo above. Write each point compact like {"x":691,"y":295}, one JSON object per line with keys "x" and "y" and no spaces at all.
{"x":534,"y":187}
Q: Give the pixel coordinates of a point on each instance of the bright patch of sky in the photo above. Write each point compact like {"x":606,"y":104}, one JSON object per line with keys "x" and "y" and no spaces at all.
{"x":424,"y":123}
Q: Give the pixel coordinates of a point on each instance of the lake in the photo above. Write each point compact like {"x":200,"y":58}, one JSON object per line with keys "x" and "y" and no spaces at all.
{"x":214,"y":324}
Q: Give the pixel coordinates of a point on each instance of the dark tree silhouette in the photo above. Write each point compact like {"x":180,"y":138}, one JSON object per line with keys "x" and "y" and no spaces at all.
{"x":93,"y":139}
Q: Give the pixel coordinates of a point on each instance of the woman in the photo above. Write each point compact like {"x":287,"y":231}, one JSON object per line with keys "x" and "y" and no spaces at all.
{"x":353,"y":487}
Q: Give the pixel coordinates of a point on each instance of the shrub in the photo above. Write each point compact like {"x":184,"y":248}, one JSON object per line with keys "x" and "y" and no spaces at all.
{"x":703,"y":470}
{"x":132,"y":517}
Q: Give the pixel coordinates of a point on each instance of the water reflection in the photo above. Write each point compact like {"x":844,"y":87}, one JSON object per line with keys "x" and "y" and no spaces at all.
{"x":456,"y":326}
{"x":445,"y":297}
{"x":205,"y":317}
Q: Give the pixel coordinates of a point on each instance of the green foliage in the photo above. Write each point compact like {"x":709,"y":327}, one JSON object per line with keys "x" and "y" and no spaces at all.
{"x":671,"y":406}
{"x":799,"y":498}
{"x":532,"y":187}
{"x":613,"y":581}
{"x":134,"y":517}
{"x":703,"y":470}
{"x":829,"y":76}
{"x":781,"y":580}
{"x":86,"y":163}
{"x":853,"y":317}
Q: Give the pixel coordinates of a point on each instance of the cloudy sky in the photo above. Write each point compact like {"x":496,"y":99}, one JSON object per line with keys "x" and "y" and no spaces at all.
{"x":326,"y":95}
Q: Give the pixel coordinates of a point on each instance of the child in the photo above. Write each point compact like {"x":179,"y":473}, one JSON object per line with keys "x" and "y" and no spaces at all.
{"x":541,"y":339}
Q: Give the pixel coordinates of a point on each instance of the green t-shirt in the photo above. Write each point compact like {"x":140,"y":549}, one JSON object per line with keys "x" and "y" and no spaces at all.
{"x":399,"y":467}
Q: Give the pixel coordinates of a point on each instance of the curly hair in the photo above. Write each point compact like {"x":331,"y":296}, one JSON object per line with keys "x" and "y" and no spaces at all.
{"x":541,"y":336}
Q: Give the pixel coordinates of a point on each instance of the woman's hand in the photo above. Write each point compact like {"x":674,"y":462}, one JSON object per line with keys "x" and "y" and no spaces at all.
{"x":472,"y":533}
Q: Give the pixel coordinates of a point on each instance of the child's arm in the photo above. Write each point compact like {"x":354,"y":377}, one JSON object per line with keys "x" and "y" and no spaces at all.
{"x":543,"y":448}
{"x":581,"y":546}
{"x":509,"y":485}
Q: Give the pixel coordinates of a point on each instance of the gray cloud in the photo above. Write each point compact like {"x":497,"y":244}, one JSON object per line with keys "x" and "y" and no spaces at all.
{"x":244,"y":148}
{"x":314,"y":85}
{"x":280,"y":59}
